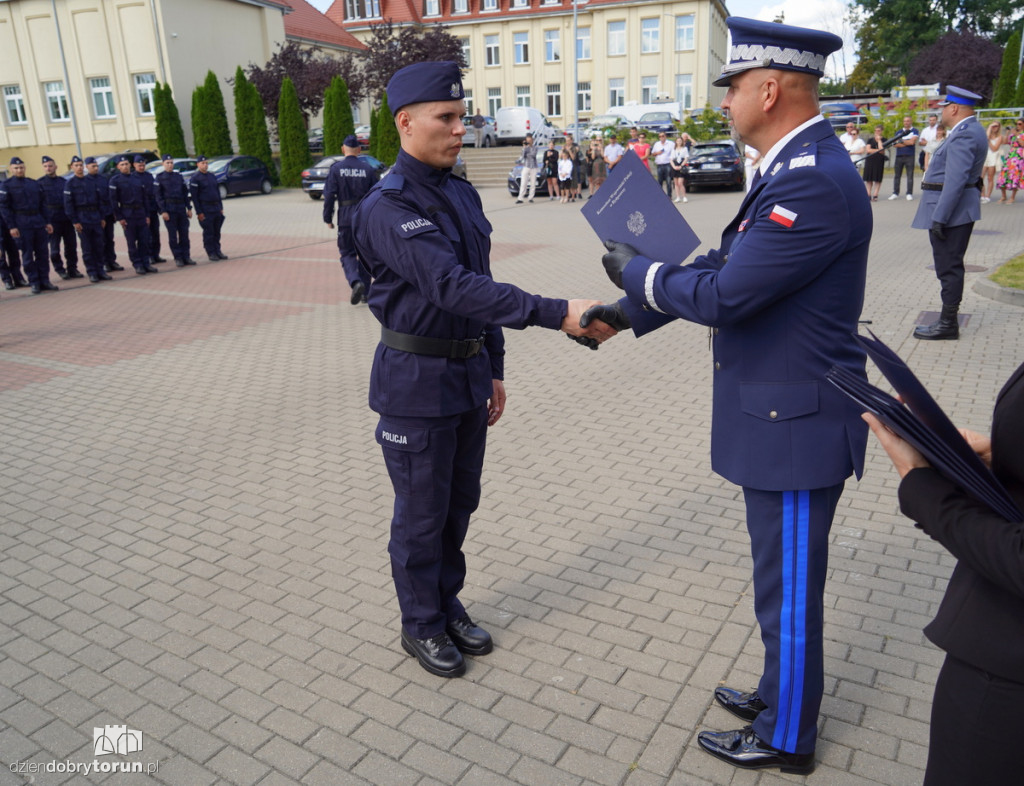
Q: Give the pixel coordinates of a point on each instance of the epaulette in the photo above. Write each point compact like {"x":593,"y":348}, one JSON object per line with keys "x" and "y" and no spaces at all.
{"x":392,"y":182}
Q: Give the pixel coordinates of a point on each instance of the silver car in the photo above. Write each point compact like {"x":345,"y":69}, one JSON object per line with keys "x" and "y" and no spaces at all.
{"x":490,"y":133}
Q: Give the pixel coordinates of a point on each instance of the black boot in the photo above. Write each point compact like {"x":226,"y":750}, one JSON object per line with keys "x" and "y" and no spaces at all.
{"x":947,"y":326}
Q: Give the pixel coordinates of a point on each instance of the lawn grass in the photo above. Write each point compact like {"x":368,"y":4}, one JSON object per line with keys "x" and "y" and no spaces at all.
{"x":1011,"y":274}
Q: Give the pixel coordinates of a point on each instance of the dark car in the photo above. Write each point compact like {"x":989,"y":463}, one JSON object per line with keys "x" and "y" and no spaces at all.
{"x":185,"y":166}
{"x":715,"y":164}
{"x":108,"y":161}
{"x":840,"y":113}
{"x":314,"y":178}
{"x":657,"y":123}
{"x":515,"y":177}
{"x":238,"y":174}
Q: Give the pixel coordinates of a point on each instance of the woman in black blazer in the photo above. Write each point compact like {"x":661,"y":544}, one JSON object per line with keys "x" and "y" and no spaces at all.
{"x":979,"y":695}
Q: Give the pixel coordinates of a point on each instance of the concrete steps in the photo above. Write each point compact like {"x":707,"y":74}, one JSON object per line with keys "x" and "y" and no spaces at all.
{"x":489,"y":166}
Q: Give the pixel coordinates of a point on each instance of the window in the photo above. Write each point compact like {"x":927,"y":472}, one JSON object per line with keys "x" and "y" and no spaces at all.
{"x":554,"y":94}
{"x":102,"y":97}
{"x":460,"y":7}
{"x":521,"y":42}
{"x":15,"y":103}
{"x":491,"y":50}
{"x":144,"y":84}
{"x":684,"y":90}
{"x":57,"y":101}
{"x":650,"y":35}
{"x":489,"y":5}
{"x":684,"y":32}
{"x":493,"y":100}
{"x":432,"y":8}
{"x":648,"y":89}
{"x":362,"y":9}
{"x":520,"y":4}
{"x":469,"y":101}
{"x":464,"y":42}
{"x":616,"y":92}
{"x":522,"y":95}
{"x":617,"y":38}
{"x":552,"y":46}
{"x":582,"y":43}
{"x":550,"y":2}
{"x":583,"y":100}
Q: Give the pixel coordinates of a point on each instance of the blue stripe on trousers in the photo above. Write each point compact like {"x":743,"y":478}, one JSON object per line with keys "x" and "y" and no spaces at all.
{"x":793,"y":617}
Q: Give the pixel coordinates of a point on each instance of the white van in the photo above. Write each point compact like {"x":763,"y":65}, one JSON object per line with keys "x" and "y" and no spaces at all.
{"x":513,"y":123}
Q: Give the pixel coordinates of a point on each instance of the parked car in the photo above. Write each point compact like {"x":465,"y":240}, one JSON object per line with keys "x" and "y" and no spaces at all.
{"x":601,"y":123}
{"x":657,"y":122}
{"x":577,"y":130}
{"x":513,"y":123}
{"x":186,"y":166}
{"x":363,"y":135}
{"x":715,"y":164}
{"x":315,"y":138}
{"x":490,"y":134}
{"x":238,"y":174}
{"x":840,"y":113}
{"x":515,"y":177}
{"x":108,"y":161}
{"x":314,"y":178}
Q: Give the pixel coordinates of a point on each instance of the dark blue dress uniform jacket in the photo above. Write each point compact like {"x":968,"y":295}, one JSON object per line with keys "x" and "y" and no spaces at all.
{"x":171,"y":193}
{"x":130,"y":198}
{"x":85,"y":199}
{"x":427,"y":284}
{"x":205,"y":193}
{"x":347,"y":180}
{"x":53,"y":188}
{"x":783,"y":294}
{"x":23,"y":204}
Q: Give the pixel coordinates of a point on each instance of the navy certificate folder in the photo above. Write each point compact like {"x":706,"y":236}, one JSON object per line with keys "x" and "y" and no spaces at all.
{"x":924,"y":425}
{"x":630,"y":207}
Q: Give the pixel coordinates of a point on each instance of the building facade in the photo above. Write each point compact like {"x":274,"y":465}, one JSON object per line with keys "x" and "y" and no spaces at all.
{"x":569,"y":60}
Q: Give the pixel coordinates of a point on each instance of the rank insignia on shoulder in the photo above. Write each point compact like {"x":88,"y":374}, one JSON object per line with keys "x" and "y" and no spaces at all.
{"x":807,"y":159}
{"x":782,"y":216}
{"x":415,"y":226}
{"x":777,"y":167}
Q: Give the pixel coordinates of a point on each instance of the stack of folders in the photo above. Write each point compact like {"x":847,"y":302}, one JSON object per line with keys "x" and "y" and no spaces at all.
{"x":924,"y":425}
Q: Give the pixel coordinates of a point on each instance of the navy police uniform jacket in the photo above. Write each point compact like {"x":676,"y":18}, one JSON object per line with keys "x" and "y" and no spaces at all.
{"x":148,"y":183}
{"x":348,"y":181}
{"x":129,"y":197}
{"x":431,"y":279}
{"x":171,"y":193}
{"x":782,"y":295}
{"x":53,"y":189}
{"x":23,"y":204}
{"x":957,"y":164}
{"x":85,"y":199}
{"x":205,"y":193}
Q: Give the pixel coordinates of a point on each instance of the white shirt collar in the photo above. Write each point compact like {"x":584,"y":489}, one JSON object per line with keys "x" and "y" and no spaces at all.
{"x":770,"y":156}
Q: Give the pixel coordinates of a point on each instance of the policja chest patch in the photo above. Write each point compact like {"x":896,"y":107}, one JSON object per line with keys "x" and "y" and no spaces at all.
{"x":415,"y":226}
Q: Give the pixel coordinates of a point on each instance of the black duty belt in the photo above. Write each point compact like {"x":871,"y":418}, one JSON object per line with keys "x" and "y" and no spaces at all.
{"x":435,"y":347}
{"x":348,"y":202}
{"x":938,"y":186}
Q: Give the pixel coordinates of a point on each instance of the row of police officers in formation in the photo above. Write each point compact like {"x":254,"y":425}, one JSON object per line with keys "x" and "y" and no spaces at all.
{"x":37,"y":217}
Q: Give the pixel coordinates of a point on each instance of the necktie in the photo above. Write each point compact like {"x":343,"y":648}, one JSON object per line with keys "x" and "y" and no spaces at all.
{"x":757,"y":178}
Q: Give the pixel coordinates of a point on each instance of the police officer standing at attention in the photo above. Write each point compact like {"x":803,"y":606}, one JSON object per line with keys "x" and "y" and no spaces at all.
{"x":63,"y":232}
{"x":92,"y":170}
{"x":10,"y":259}
{"x":149,"y":183}
{"x":347,"y":182}
{"x":782,"y":296}
{"x":132,"y":202}
{"x":174,"y":204}
{"x":951,"y":203}
{"x":23,"y":205}
{"x":437,"y":373}
{"x":209,"y":209}
{"x":84,"y":203}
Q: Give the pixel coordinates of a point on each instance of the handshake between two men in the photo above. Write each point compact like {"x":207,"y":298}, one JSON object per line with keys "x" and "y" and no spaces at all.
{"x":590,"y":322}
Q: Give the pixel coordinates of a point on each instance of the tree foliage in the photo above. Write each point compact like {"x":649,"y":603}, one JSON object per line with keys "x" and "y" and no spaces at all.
{"x":291,"y":130}
{"x":1009,"y":74}
{"x":309,"y":70}
{"x":387,"y":134}
{"x":251,"y":124}
{"x":170,"y":137}
{"x":210,"y":119}
{"x":390,"y":49}
{"x":964,"y":59}
{"x":337,"y":116}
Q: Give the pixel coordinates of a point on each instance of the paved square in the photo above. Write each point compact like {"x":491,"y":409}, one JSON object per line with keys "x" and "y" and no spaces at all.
{"x":194,"y":519}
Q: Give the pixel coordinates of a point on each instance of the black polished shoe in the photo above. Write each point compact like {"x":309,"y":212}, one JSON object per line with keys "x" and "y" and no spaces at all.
{"x":746,"y":706}
{"x":222,"y":255}
{"x":74,"y":274}
{"x":63,"y":274}
{"x":438,"y":654}
{"x":743,"y":748}
{"x":95,"y":279}
{"x":111,"y":266}
{"x":158,"y":259}
{"x":358,"y":291}
{"x":179,"y":263}
{"x":36,"y":289}
{"x":188,"y":261}
{"x":20,"y":282}
{"x":468,"y":637}
{"x":9,"y":285}
{"x":46,"y":286}
{"x":141,"y":271}
{"x":151,"y":269}
{"x":104,"y":277}
{"x":213,"y":258}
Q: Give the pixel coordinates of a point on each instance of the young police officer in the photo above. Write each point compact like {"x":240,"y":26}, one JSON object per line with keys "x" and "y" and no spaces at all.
{"x":348,"y":181}
{"x":438,"y":370}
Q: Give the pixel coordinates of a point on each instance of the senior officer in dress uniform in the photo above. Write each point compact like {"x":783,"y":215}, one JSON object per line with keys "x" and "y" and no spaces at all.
{"x":438,"y":370}
{"x":132,"y":201}
{"x":174,"y":204}
{"x":63,"y":231}
{"x":23,"y":205}
{"x":782,"y":296}
{"x":85,"y":204}
{"x":208,"y":206}
{"x":348,"y":181}
{"x":951,"y":203}
{"x":149,"y":183}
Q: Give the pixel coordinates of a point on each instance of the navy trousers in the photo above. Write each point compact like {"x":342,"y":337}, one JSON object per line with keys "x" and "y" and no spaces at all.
{"x":789,"y":543}
{"x":949,"y":261}
{"x":35,"y":254}
{"x":109,"y":254}
{"x":136,"y":232}
{"x":64,"y":232}
{"x":177,"y":235}
{"x":154,"y":234}
{"x":91,"y":238}
{"x":435,"y":466}
{"x":10,"y":258}
{"x":350,"y":259}
{"x":211,"y":224}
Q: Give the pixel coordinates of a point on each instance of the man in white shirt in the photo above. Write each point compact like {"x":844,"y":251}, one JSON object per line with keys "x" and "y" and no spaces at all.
{"x":927,"y":137}
{"x":662,"y":152}
{"x":846,"y":135}
{"x":613,"y":151}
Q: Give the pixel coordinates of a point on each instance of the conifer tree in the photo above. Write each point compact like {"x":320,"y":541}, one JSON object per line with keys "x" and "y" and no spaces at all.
{"x":1006,"y":85}
{"x":199,"y":125}
{"x":244,"y":121}
{"x":373,"y":133}
{"x":260,"y":135}
{"x":169,"y":133}
{"x":332,"y":143}
{"x":218,"y":134}
{"x":386,"y":133}
{"x":291,"y":131}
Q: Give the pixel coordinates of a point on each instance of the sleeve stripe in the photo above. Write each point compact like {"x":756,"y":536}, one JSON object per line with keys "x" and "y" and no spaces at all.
{"x":652,"y":271}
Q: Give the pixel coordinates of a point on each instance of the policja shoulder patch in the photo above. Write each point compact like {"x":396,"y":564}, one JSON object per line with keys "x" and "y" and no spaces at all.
{"x":410,"y":226}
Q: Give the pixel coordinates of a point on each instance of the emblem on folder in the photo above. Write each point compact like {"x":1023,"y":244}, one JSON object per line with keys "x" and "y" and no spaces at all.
{"x":636,"y":224}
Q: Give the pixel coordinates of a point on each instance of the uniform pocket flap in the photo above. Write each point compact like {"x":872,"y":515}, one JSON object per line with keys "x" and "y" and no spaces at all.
{"x":396,"y":437}
{"x":779,"y":400}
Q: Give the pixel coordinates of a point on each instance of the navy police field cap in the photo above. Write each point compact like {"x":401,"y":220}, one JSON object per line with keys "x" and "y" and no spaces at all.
{"x":167,"y":157}
{"x":16,"y":160}
{"x":758,"y":44}
{"x":47,"y":160}
{"x":90,"y":159}
{"x":123,"y":158}
{"x":139,"y":160}
{"x":437,"y":80}
{"x":957,"y":95}
{"x":351,"y":141}
{"x":76,"y":160}
{"x":200,"y":158}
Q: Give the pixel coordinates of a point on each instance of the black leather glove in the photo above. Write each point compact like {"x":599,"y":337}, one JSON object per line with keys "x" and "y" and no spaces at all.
{"x":592,"y":343}
{"x":609,"y":313}
{"x":938,"y":230}
{"x":615,"y":261}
